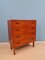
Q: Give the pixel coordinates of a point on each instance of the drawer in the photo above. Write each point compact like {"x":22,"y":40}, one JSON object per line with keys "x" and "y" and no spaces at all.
{"x":18,"y":37}
{"x":19,"y":43}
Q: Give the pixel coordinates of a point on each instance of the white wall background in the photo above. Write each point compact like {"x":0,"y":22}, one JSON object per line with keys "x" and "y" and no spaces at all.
{"x":22,"y":9}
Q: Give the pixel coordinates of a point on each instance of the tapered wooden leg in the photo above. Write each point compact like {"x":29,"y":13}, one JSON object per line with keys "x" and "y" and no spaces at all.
{"x":14,"y":51}
{"x":33,"y":43}
{"x":11,"y":46}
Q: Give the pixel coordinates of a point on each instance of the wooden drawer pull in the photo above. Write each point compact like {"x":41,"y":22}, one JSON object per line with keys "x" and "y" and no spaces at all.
{"x":32,"y":27}
{"x":17,"y":36}
{"x":32,"y":22}
{"x":17,"y":23}
{"x":17,"y":29}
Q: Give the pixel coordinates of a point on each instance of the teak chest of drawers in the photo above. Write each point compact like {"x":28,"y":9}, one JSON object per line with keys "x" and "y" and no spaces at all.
{"x":21,"y":32}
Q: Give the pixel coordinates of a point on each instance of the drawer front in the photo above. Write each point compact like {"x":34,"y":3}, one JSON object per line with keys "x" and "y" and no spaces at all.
{"x":19,"y":43}
{"x":18,"y":37}
{"x":24,"y":37}
{"x":22,"y":23}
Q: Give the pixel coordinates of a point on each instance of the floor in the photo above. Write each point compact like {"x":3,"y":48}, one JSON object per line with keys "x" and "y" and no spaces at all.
{"x":25,"y":53}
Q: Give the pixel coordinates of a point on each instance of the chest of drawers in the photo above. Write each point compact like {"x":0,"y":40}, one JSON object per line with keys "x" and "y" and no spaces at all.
{"x":21,"y":32}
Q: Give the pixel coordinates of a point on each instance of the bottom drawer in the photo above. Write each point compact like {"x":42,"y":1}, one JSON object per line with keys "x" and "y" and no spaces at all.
{"x":19,"y":43}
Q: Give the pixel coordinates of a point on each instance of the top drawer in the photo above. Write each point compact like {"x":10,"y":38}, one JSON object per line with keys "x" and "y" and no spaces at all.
{"x":22,"y":23}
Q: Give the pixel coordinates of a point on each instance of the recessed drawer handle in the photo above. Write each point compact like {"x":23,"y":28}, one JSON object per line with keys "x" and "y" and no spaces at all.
{"x":17,"y":23}
{"x":17,"y":36}
{"x":32,"y":28}
{"x":17,"y":29}
{"x":32,"y":22}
